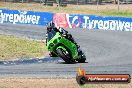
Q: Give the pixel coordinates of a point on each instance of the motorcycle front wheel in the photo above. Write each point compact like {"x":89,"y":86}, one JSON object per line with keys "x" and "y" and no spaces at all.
{"x":65,"y":56}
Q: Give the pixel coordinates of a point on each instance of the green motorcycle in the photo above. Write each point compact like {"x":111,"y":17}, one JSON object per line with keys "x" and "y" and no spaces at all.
{"x":60,"y":46}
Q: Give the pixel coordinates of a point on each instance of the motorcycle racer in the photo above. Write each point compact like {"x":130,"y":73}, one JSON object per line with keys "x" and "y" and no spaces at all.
{"x":51,"y":26}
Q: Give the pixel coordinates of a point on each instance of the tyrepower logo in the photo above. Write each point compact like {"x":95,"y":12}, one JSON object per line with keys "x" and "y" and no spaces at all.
{"x":19,"y":17}
{"x":83,"y":78}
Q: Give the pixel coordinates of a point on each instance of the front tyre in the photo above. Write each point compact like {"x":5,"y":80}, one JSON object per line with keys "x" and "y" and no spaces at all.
{"x":52,"y":54}
{"x":64,"y":55}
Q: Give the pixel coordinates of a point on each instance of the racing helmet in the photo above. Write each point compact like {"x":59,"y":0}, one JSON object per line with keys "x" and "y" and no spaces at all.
{"x":51,"y":25}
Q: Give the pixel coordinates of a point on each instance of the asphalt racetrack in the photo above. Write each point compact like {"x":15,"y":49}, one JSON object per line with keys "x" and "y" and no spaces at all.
{"x":106,"y":52}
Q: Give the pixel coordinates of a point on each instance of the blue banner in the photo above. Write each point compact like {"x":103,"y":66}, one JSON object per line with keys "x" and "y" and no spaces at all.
{"x":99,"y":22}
{"x":25,"y":17}
{"x":66,"y":20}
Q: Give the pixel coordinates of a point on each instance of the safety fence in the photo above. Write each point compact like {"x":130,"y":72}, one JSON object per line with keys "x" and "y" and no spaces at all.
{"x":66,"y":20}
{"x":68,"y":1}
{"x":77,"y":2}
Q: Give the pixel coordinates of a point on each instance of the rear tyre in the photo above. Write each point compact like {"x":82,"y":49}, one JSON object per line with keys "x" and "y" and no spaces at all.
{"x":81,"y":61}
{"x":82,"y":58}
{"x":64,"y":55}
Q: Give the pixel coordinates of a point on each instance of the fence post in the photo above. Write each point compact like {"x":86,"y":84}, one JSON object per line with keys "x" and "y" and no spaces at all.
{"x":22,"y":1}
{"x":58,"y":2}
{"x":118,"y":5}
{"x":77,"y":1}
{"x":97,"y":4}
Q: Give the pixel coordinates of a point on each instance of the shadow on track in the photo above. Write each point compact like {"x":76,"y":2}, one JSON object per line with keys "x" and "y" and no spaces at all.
{"x":31,"y":61}
{"x":56,"y":60}
{"x":67,"y":63}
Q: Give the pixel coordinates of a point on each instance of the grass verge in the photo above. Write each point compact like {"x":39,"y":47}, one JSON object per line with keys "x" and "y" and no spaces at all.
{"x":53,"y":83}
{"x":110,"y":85}
{"x":12,"y":48}
{"x":3,"y":86}
{"x":121,"y":14}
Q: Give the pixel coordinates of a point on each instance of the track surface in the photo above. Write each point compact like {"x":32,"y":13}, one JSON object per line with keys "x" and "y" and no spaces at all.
{"x":106,"y":52}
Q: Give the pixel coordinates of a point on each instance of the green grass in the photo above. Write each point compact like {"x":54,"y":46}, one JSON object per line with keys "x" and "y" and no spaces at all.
{"x":95,"y":86}
{"x":121,"y":14}
{"x":87,"y":86}
{"x":3,"y":86}
{"x":12,"y":48}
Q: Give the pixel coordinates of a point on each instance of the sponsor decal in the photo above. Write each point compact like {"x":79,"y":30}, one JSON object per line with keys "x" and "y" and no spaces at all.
{"x":83,"y":78}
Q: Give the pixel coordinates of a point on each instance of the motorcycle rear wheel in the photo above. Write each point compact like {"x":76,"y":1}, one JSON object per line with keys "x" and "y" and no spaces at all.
{"x":83,"y":57}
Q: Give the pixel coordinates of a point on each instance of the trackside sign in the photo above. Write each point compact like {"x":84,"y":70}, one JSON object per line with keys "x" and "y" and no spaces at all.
{"x":66,"y":20}
{"x":24,"y":17}
{"x":93,"y":22}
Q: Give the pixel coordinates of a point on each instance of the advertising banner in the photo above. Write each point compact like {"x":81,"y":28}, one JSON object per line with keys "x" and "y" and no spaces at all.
{"x":66,"y":20}
{"x":92,"y":22}
{"x":25,"y":17}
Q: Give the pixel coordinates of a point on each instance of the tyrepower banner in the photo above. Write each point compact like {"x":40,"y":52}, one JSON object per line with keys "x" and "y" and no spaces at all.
{"x":66,"y":20}
{"x":25,"y":17}
{"x":92,"y":22}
